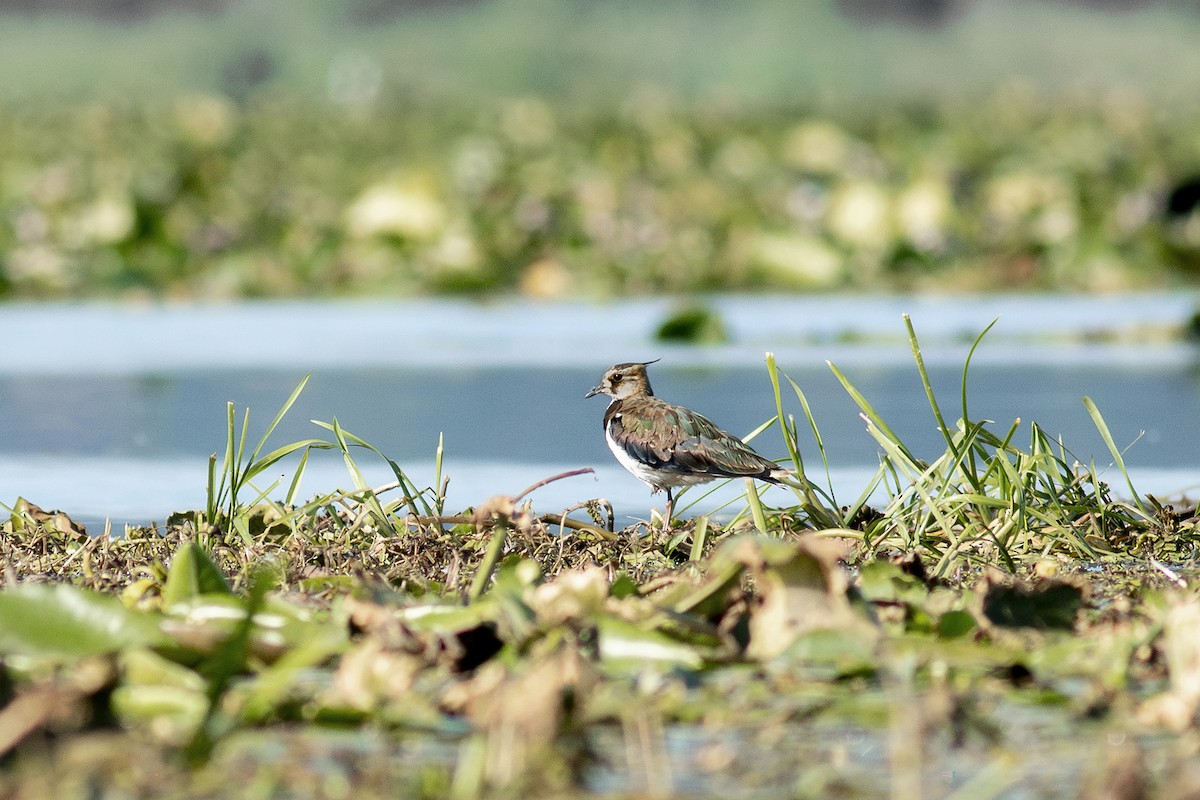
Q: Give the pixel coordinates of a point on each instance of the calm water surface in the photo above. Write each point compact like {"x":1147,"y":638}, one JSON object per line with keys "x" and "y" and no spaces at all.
{"x":107,"y":411}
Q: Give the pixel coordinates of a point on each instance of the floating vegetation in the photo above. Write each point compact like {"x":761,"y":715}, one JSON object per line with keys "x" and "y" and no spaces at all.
{"x":273,"y":197}
{"x":1000,"y":612}
{"x":694,"y":324}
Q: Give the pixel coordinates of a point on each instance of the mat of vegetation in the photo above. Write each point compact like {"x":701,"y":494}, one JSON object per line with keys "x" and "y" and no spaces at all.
{"x":273,"y":197}
{"x":1000,"y":626}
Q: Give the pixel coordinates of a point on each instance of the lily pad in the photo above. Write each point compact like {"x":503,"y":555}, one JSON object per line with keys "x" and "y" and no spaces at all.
{"x":69,"y":623}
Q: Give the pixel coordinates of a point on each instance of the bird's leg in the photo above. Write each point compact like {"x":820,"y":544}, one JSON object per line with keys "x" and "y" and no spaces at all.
{"x":668,"y":510}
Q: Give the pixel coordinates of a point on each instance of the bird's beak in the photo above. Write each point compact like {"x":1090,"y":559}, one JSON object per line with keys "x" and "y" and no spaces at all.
{"x":593,"y":392}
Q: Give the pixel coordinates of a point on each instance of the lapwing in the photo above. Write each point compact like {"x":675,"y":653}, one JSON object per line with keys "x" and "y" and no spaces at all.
{"x":667,"y":446}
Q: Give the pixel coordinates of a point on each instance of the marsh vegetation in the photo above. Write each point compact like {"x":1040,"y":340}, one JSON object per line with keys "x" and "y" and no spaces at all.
{"x":371,"y":641}
{"x":207,"y":198}
{"x":1003,"y":616}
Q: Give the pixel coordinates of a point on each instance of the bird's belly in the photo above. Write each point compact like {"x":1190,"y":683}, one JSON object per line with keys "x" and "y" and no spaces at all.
{"x":656,"y":479}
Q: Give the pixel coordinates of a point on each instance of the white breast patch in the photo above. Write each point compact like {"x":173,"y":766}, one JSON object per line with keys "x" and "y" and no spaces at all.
{"x":656,"y":479}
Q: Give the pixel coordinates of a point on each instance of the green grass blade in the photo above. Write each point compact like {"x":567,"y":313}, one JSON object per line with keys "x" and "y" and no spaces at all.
{"x":240,"y":457}
{"x":812,"y":424}
{"x":294,"y":486}
{"x":788,"y":440}
{"x":869,"y":411}
{"x":752,"y":435}
{"x":756,"y":506}
{"x":413,"y":495}
{"x":439,"y":499}
{"x":1118,"y":459}
{"x":972,"y":469}
{"x":490,"y":558}
{"x":283,"y":410}
{"x":698,"y":538}
{"x":228,"y":467}
{"x":278,"y":454}
{"x":214,"y":499}
{"x":915,"y":347}
{"x":967,"y":366}
{"x":356,"y":475}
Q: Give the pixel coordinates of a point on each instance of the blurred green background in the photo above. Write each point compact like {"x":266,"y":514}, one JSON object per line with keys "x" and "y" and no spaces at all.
{"x":598,"y":148}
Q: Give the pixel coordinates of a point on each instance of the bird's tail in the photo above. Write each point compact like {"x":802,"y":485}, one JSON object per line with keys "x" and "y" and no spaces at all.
{"x":782,"y":475}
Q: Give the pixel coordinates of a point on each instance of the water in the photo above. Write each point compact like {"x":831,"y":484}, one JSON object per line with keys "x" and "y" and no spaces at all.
{"x":112,"y":412}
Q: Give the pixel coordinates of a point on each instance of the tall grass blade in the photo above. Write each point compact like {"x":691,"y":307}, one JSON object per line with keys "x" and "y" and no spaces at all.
{"x":214,"y":499}
{"x":297,"y":476}
{"x":869,"y":411}
{"x":1118,"y":459}
{"x":439,"y":498}
{"x":788,"y":439}
{"x":360,"y":482}
{"x":915,"y":346}
{"x":812,"y":424}
{"x":283,"y":410}
{"x":240,"y":456}
{"x":356,"y":475}
{"x":966,"y":416}
{"x":967,"y":365}
{"x":275,"y":456}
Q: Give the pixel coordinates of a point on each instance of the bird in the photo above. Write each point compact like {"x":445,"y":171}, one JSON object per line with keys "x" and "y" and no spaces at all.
{"x":667,"y":446}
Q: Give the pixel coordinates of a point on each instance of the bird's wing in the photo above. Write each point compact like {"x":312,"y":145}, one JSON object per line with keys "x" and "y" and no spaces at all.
{"x":666,"y":436}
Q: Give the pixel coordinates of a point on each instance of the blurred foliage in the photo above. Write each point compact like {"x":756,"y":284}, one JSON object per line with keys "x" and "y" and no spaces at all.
{"x":205,"y":197}
{"x":288,"y":663}
{"x":697,"y":324}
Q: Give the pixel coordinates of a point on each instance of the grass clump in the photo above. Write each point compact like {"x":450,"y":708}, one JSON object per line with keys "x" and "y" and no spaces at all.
{"x":987,"y":500}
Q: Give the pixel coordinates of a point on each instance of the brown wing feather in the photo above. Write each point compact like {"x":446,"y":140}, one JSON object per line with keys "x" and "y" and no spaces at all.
{"x":666,"y":436}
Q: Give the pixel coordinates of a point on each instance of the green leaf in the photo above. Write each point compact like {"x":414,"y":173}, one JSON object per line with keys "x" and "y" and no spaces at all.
{"x":274,"y":684}
{"x":69,"y":623}
{"x":954,"y":624}
{"x":711,"y":599}
{"x":171,"y":712}
{"x":219,"y":669}
{"x":623,"y":586}
{"x":830,"y":653}
{"x":158,"y":694}
{"x":192,"y":574}
{"x":624,"y":643}
{"x":141,"y":668}
{"x":883,"y":581}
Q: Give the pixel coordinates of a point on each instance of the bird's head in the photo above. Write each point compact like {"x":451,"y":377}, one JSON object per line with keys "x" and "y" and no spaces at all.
{"x":624,"y":380}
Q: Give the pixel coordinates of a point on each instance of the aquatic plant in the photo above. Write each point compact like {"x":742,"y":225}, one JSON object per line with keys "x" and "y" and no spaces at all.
{"x":540,"y":652}
{"x":284,"y":198}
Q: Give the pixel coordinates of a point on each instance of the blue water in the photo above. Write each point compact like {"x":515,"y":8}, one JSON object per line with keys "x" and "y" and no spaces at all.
{"x":111,"y":411}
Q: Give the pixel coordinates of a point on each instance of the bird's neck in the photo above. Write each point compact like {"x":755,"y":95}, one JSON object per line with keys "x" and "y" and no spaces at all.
{"x":638,"y":390}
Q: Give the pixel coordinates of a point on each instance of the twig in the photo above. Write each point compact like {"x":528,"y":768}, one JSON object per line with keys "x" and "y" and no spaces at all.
{"x":1171,"y":574}
{"x":552,"y":479}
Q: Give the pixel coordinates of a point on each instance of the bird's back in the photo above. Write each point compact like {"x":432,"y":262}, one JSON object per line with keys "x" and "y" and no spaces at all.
{"x":672,"y":438}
